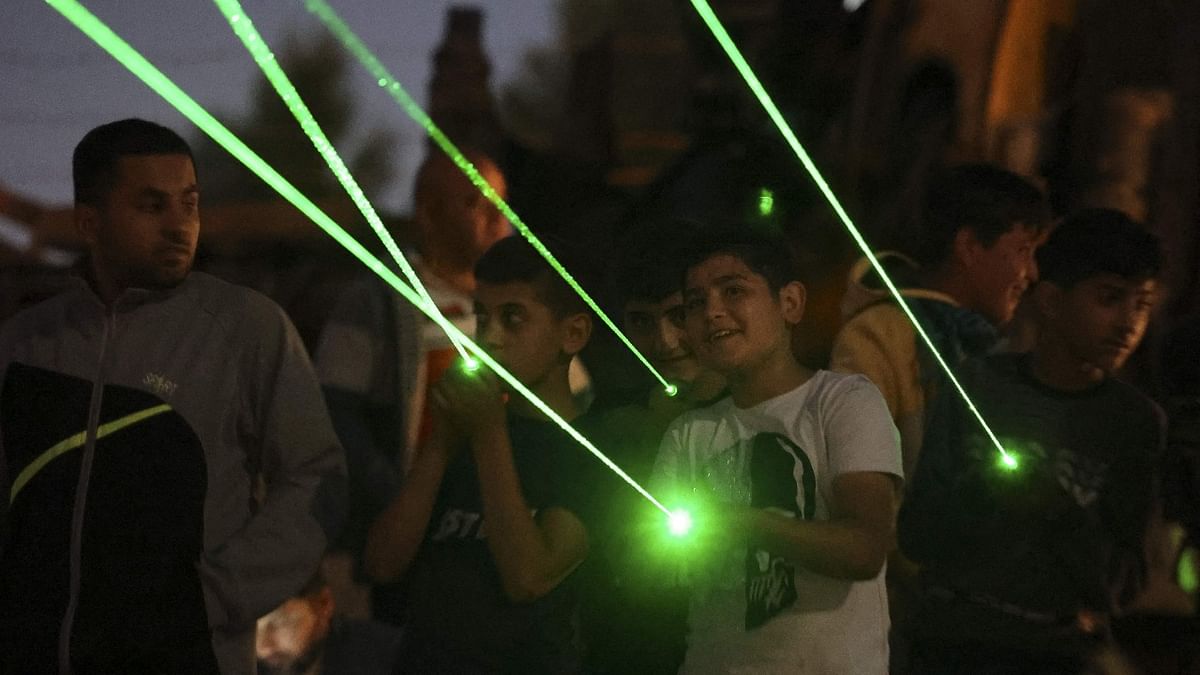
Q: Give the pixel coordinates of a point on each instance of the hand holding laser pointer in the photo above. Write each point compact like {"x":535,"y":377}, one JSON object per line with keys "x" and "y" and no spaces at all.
{"x":471,"y":399}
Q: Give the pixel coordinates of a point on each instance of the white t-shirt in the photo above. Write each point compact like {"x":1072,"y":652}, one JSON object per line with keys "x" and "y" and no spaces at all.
{"x":755,"y":612}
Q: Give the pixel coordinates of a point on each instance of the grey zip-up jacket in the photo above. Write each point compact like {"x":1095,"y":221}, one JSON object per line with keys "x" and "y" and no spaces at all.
{"x":168,"y":474}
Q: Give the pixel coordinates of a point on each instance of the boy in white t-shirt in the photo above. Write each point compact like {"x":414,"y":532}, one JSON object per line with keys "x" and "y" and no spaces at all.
{"x":802,"y":471}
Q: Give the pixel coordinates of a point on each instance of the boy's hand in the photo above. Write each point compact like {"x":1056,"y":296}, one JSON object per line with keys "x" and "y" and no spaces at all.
{"x":470,"y":401}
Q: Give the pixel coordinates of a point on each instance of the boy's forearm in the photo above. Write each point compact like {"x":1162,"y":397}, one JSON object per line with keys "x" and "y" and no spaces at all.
{"x":397,"y":533}
{"x":840,"y":549}
{"x":517,"y":544}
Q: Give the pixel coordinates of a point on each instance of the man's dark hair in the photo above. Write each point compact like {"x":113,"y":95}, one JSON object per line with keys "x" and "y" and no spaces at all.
{"x":648,"y":261}
{"x":985,"y":198}
{"x":767,"y":255}
{"x":94,"y":163}
{"x":513,"y":259}
{"x":1099,"y":241}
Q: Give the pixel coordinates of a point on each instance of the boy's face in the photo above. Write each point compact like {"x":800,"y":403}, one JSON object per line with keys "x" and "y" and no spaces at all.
{"x":1101,"y":319}
{"x":999,"y":274}
{"x":523,"y":334}
{"x":733,"y":320}
{"x":656,"y":329}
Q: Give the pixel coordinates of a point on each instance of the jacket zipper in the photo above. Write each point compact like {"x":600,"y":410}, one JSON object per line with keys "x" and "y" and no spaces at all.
{"x":81,"y":489}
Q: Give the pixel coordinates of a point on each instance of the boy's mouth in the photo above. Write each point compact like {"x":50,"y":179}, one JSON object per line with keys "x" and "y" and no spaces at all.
{"x":721,"y":334}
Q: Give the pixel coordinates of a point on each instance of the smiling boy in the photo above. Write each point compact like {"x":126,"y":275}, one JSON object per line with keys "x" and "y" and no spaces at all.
{"x":804,"y":468}
{"x":489,"y":527}
{"x":1023,"y":568}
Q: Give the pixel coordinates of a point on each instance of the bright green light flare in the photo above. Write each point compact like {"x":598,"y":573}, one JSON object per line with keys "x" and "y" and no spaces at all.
{"x":358,"y":48}
{"x":679,"y":523}
{"x":470,"y":364}
{"x":103,"y":36}
{"x":1187,"y":572}
{"x":1008,"y":462}
{"x":714,"y":24}
{"x":244,"y":28}
{"x":766,"y":202}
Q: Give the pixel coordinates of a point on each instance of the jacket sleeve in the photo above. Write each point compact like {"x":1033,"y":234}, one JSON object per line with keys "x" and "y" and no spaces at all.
{"x":880,"y":343}
{"x":303,"y":474}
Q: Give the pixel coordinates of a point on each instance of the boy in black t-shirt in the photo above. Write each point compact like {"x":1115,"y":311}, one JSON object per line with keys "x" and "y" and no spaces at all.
{"x":489,"y":526}
{"x":632,"y":621}
{"x":1023,"y":566}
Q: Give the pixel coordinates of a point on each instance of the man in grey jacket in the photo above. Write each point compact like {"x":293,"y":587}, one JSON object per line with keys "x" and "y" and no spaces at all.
{"x":139,"y":410}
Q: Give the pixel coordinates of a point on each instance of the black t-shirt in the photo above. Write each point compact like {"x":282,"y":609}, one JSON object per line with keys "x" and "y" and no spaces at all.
{"x":1027,"y":548}
{"x":460,"y":620}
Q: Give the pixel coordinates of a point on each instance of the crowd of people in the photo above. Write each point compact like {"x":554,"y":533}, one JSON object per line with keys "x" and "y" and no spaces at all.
{"x":175,"y":468}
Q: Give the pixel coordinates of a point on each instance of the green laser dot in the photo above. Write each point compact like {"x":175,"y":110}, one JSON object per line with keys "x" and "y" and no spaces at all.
{"x":718,"y":31}
{"x":672,"y":390}
{"x":470,"y":364}
{"x":342,"y":32}
{"x":1009,"y":462}
{"x":679,"y":523}
{"x":766,"y":202}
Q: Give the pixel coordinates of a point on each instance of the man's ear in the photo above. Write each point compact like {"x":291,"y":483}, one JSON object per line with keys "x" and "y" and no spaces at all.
{"x":793,"y":297}
{"x":87,"y":222}
{"x":577,"y":330}
{"x":966,"y":247}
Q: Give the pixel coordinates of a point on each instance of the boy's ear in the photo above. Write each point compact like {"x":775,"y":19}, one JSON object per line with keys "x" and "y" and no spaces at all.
{"x":87,"y":222}
{"x":793,"y":297}
{"x":1047,"y":300}
{"x":966,"y":247}
{"x":577,"y":330}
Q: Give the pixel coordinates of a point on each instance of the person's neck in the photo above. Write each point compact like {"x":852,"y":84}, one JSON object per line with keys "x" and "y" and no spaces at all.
{"x":1052,"y":364}
{"x":458,"y":276}
{"x":773,"y":376}
{"x":105,"y":287}
{"x":947,"y":283}
{"x":704,"y":388}
{"x":555,"y":392}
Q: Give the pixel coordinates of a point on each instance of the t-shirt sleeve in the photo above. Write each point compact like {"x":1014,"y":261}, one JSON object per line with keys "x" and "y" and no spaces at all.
{"x":861,"y":435}
{"x":667,"y":479}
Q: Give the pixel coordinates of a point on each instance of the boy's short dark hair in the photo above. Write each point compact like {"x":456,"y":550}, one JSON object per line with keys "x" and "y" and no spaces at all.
{"x":513,"y":259}
{"x":985,"y":198}
{"x":94,"y":163}
{"x":1099,"y":241}
{"x":766,"y":255}
{"x":648,"y":261}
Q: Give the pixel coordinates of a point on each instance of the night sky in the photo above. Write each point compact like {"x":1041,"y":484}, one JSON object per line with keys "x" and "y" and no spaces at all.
{"x":57,"y":84}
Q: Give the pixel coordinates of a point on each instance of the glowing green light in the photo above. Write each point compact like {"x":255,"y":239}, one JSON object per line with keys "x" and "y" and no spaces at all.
{"x":119,"y":49}
{"x":672,"y":390}
{"x":714,"y":25}
{"x":244,"y":28}
{"x":1187,"y":573}
{"x":766,"y":202}
{"x":358,"y":48}
{"x":470,"y":364}
{"x":679,"y":522}
{"x":1008,"y":462}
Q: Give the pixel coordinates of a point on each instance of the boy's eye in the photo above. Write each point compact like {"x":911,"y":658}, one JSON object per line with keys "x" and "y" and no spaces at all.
{"x":675,"y":315}
{"x":638,"y":321}
{"x":512,"y":319}
{"x":732,"y":291}
{"x":693,"y":304}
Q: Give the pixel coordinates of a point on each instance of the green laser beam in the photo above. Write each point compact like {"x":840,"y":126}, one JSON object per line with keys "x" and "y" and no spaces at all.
{"x":126,"y":55}
{"x":243,"y":28}
{"x":326,"y":14}
{"x":714,"y":24}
